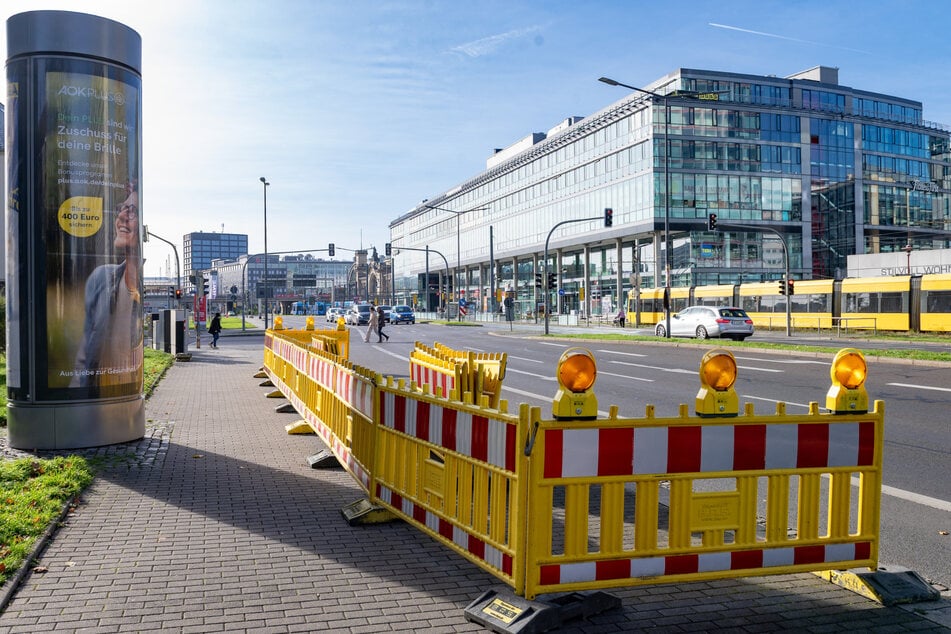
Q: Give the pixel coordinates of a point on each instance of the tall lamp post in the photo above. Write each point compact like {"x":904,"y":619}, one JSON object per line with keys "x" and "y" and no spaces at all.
{"x":458,"y":244}
{"x":266,"y":289}
{"x":667,"y":247}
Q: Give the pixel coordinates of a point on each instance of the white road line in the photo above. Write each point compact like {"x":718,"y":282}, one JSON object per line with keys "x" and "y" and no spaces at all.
{"x":625,"y":376}
{"x":544,"y":377}
{"x":543,"y":398}
{"x":626,"y":354}
{"x":772,"y":400}
{"x":917,"y":498}
{"x":749,"y":367}
{"x":654,"y":367}
{"x":525,"y":359}
{"x":921,"y":387}
{"x":401,"y":357}
{"x":784,"y":361}
{"x":556,"y":345}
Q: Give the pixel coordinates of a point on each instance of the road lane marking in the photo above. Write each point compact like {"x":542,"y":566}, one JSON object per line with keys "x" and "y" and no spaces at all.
{"x":751,"y":368}
{"x":625,"y":376}
{"x":526,"y":359}
{"x":556,"y":345}
{"x":626,"y":354}
{"x":542,"y":398}
{"x":910,"y":496}
{"x":544,"y":377}
{"x":654,"y":367}
{"x":785,"y":361}
{"x":921,"y":387}
{"x":772,"y":400}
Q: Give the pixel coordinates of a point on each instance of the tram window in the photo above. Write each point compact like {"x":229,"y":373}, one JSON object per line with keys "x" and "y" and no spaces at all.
{"x":936,"y":301}
{"x":861,"y":303}
{"x":893,"y":303}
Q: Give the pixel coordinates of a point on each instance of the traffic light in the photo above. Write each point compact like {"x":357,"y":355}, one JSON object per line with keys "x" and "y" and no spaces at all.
{"x":330,"y":250}
{"x":608,"y":217}
{"x":790,"y":288}
{"x":204,"y":285}
{"x":178,"y":293}
{"x":538,"y":280}
{"x":388,"y":249}
{"x":711,"y":222}
{"x":782,"y":287}
{"x":552,"y":281}
{"x":171,"y":291}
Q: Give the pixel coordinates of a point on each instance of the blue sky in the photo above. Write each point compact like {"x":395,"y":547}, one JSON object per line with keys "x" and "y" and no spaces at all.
{"x":356,"y":111}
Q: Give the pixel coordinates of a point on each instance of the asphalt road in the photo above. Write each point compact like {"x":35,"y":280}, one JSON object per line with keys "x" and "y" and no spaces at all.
{"x":916,"y":502}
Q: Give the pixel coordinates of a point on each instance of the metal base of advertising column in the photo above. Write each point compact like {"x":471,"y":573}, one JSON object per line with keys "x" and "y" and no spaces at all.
{"x":76,"y":425}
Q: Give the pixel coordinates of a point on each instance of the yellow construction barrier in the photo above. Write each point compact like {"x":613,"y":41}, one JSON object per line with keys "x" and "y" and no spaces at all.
{"x":436,"y":374}
{"x":580,"y":502}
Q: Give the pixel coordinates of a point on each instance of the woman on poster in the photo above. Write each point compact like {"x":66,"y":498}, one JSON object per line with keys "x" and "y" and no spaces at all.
{"x":111,"y":350}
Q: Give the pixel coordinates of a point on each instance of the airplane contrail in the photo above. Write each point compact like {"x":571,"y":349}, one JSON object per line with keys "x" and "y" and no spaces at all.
{"x":783,"y":37}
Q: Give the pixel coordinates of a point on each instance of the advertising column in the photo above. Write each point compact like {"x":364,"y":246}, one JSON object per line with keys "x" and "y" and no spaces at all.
{"x":74,"y":231}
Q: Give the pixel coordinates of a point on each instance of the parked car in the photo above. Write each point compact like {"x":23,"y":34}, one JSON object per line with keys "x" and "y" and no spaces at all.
{"x":708,"y":321}
{"x":332,"y":313}
{"x":402,"y":314}
{"x":358,"y":314}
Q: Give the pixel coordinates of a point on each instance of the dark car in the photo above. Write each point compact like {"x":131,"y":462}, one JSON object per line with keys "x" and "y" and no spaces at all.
{"x":709,"y":321}
{"x":402,"y":314}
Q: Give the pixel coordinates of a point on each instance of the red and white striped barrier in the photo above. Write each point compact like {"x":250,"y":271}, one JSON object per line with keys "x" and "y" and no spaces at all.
{"x":477,"y":437}
{"x":578,"y":453}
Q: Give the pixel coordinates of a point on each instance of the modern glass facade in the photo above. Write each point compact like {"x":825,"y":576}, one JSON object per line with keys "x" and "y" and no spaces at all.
{"x":201,"y":248}
{"x":832,"y":170}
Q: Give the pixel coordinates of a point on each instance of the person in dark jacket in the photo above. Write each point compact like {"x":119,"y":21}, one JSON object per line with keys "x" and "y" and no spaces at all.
{"x":214,"y":329}
{"x":381,"y":320}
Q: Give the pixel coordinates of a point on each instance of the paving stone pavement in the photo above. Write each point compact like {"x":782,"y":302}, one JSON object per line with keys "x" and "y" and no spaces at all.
{"x":214,"y":522}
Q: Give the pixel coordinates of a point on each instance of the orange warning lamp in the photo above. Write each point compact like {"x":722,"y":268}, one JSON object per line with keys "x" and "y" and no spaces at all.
{"x":717,"y":376}
{"x":309,"y":325}
{"x":278,"y":322}
{"x":576,"y":374}
{"x":847,"y":394}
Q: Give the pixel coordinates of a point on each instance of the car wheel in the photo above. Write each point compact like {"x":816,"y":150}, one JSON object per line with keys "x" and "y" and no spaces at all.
{"x":702,"y":332}
{"x":660,"y":331}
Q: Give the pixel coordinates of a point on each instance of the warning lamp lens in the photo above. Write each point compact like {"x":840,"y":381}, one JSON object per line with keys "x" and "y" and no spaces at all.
{"x":718,"y":370}
{"x":278,"y":322}
{"x":577,"y":371}
{"x":849,"y":369}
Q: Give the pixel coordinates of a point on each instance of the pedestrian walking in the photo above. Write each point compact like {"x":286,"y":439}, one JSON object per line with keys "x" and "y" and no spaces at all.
{"x":381,"y":320}
{"x":371,"y":325}
{"x":214,"y":329}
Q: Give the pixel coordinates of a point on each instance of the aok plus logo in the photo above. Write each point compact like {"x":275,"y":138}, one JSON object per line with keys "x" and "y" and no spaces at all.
{"x":91,"y":93}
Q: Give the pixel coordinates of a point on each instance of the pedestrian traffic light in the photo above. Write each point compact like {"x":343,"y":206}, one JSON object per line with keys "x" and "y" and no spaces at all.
{"x":782,"y":287}
{"x":178,"y":293}
{"x":608,"y":217}
{"x":330,"y":250}
{"x":538,"y":280}
{"x":388,"y":249}
{"x":552,"y":281}
{"x":790,"y":288}
{"x":711,"y":222}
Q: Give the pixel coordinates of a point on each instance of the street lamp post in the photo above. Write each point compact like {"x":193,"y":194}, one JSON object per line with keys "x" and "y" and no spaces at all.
{"x":667,"y":246}
{"x":178,"y":272}
{"x":266,"y":289}
{"x":458,"y":243}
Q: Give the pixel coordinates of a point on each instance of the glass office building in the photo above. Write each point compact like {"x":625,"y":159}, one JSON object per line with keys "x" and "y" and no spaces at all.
{"x":827,"y":169}
{"x":201,"y":248}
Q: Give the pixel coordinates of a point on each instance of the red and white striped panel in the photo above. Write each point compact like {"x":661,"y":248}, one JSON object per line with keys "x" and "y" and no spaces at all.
{"x":688,"y":564}
{"x":573,"y":453}
{"x":356,"y":391}
{"x":425,"y":375}
{"x":481,"y":438}
{"x":321,"y":370}
{"x":471,"y":544}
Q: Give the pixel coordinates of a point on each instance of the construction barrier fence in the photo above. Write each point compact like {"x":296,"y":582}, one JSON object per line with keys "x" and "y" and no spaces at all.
{"x":566,"y":505}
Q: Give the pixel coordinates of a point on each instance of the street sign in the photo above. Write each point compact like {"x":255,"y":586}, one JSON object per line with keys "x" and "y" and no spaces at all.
{"x":561,"y":291}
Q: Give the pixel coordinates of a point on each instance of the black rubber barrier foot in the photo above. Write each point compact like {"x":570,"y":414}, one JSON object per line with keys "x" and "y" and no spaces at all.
{"x":365,"y":512}
{"x":266,"y":383}
{"x":888,"y":585}
{"x":503,"y":611}
{"x":286,"y":407}
{"x":323,"y":459}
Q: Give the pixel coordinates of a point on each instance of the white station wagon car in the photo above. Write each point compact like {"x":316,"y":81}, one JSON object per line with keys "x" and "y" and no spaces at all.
{"x":708,"y":321}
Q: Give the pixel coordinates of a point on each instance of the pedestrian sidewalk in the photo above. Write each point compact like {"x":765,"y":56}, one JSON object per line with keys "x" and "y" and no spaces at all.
{"x":216,"y":522}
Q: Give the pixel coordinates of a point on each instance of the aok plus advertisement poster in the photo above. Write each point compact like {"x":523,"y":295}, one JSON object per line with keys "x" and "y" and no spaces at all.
{"x":93,"y":234}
